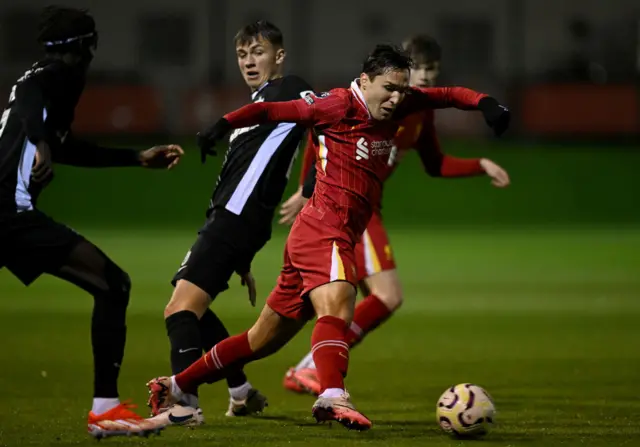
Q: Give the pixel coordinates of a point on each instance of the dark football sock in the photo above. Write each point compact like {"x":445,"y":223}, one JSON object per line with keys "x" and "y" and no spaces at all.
{"x":183,"y":329}
{"x":108,"y":337}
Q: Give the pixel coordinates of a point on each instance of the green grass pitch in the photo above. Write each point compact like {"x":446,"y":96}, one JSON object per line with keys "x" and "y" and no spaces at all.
{"x":545,"y":319}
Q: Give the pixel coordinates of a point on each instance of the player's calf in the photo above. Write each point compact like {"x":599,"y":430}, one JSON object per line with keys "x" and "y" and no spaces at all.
{"x":333,"y":303}
{"x":385,"y":297}
{"x":182,"y":320}
{"x":386,"y":287}
{"x":90,"y":269}
{"x":268,"y":334}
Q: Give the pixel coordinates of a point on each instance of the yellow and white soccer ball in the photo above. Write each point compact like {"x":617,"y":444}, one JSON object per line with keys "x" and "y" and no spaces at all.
{"x":465,"y":410}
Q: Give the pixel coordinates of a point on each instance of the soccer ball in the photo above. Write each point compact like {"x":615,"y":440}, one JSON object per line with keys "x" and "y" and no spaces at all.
{"x":465,"y":410}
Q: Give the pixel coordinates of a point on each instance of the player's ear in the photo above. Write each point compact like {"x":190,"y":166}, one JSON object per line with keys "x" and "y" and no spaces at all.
{"x":364,"y":81}
{"x":280,"y":55}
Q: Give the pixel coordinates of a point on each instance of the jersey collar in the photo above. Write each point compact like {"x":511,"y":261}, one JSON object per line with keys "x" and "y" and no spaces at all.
{"x":254,"y":94}
{"x":355,"y":89}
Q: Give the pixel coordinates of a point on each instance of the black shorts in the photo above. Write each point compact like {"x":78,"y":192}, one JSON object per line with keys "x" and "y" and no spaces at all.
{"x":32,"y":243}
{"x":226,"y":244}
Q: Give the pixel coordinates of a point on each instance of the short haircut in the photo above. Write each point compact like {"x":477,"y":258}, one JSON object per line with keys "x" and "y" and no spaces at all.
{"x":260,"y":29}
{"x":423,"y":48}
{"x":384,"y":58}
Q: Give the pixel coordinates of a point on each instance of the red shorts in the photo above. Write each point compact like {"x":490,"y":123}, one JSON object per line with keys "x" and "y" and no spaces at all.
{"x":373,"y":251}
{"x":315,"y":254}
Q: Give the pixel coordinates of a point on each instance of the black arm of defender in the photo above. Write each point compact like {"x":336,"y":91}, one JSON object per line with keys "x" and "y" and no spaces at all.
{"x":76,"y":152}
{"x":28,"y":100}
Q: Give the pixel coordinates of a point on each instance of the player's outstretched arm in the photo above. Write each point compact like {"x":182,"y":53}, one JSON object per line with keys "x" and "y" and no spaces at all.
{"x":250,"y":115}
{"x":310,"y":111}
{"x":81,"y":153}
{"x":446,"y":97}
{"x":495,"y":114}
{"x":439,"y":164}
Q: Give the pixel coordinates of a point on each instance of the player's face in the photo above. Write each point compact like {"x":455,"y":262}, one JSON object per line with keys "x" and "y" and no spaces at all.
{"x":259,"y":61}
{"x":425,"y":75}
{"x":385,"y":92}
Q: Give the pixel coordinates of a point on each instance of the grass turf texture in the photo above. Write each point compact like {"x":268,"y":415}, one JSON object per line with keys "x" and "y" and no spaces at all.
{"x":541,"y":310}
{"x":545,"y":319}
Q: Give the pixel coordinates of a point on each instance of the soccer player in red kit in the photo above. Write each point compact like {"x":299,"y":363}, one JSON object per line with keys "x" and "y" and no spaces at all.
{"x":355,"y":129}
{"x":375,"y":265}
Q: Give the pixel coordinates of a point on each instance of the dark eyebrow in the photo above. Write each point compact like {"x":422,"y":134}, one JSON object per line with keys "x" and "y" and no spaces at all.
{"x":252,"y":47}
{"x":396,"y":87}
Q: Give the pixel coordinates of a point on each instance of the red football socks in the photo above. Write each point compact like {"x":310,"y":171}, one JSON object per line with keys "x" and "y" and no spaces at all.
{"x":330,"y":351}
{"x":212,"y":366}
{"x":369,"y":314}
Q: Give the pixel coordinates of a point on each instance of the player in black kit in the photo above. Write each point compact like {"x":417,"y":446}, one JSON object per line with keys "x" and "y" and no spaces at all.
{"x":238,"y":222}
{"x":34,"y":135}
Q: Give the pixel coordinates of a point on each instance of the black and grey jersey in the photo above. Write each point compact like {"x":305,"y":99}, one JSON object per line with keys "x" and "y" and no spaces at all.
{"x":40,"y":108}
{"x":258,"y":163}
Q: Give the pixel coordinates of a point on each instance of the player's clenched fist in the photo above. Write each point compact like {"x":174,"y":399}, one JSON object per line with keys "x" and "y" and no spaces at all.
{"x":207,"y":139}
{"x":495,"y":114}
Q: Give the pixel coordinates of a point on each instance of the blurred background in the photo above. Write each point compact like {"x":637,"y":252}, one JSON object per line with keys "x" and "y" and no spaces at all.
{"x":569,"y":70}
{"x":167,"y":66}
{"x":541,"y":277}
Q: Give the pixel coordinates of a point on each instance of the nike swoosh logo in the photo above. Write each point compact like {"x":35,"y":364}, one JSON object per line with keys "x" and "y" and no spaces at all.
{"x":182,"y":351}
{"x":179,"y":419}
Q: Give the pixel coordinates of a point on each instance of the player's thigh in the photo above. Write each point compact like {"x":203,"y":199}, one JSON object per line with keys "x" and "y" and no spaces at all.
{"x":39,"y":244}
{"x":373,"y":250}
{"x":90,"y":268}
{"x":187,"y":296}
{"x":325,"y":260}
{"x":287,"y":298}
{"x":207,"y":267}
{"x":336,"y":299}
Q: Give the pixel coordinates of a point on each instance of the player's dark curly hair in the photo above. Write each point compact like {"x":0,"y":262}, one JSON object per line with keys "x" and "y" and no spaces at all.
{"x":60,"y":24}
{"x":384,"y":58}
{"x":423,"y":48}
{"x":260,"y":29}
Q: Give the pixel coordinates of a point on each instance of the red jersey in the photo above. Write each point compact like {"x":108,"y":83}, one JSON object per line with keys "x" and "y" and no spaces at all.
{"x":416,"y":131}
{"x":355,"y":153}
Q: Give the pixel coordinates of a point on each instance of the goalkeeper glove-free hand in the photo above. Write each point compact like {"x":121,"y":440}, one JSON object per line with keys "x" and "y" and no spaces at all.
{"x":495,"y":114}
{"x":208,"y":139}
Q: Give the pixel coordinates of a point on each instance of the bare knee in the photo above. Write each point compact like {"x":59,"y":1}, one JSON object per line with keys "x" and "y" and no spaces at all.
{"x":386,"y":287}
{"x":336,"y":299}
{"x":187,"y":296}
{"x":118,"y":281}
